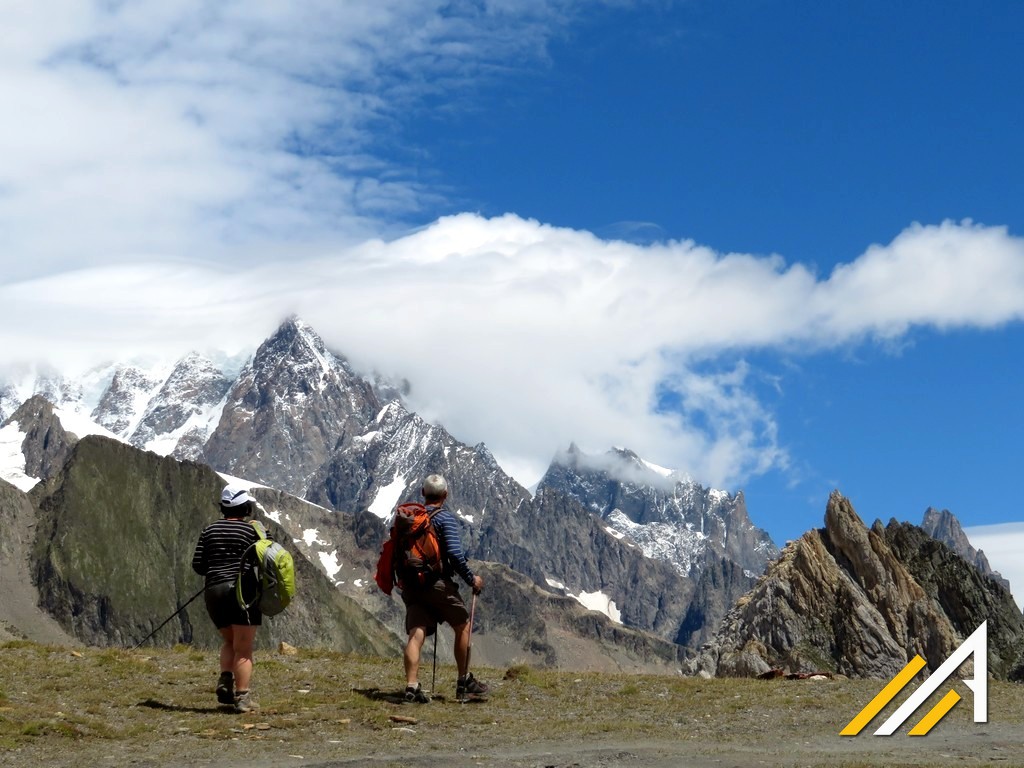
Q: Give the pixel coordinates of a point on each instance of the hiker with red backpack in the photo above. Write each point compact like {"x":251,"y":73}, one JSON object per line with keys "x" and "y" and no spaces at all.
{"x":426,"y":553}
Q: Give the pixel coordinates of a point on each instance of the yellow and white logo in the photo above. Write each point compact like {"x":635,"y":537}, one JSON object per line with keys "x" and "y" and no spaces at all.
{"x":976,"y":645}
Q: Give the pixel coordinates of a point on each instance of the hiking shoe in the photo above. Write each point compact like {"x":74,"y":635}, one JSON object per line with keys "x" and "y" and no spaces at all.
{"x":414,"y":694}
{"x":226,"y":688}
{"x":469,"y":686}
{"x":245,"y":702}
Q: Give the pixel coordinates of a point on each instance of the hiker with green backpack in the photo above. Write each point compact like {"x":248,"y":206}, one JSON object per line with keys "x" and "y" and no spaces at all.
{"x":424,"y":554}
{"x":222,"y":555}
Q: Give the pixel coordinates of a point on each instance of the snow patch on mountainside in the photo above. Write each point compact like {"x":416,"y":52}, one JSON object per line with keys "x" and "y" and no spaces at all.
{"x":12,"y":460}
{"x":81,"y":425}
{"x":312,"y":536}
{"x":330,"y":563}
{"x":680,"y":546}
{"x":600,"y":602}
{"x":202,"y":422}
{"x":387,"y":498}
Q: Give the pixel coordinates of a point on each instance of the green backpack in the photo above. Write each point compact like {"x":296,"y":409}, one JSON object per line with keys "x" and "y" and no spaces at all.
{"x":276,"y":574}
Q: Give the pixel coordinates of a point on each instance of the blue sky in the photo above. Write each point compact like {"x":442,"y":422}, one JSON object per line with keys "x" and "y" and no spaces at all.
{"x":622,"y":222}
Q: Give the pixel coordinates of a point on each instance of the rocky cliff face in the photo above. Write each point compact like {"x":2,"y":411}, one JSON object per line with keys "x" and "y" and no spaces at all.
{"x":720,"y":586}
{"x":858,"y":601}
{"x":668,"y":515}
{"x":46,"y":445}
{"x":112,"y":555}
{"x":565,"y":548}
{"x":385,"y":463}
{"x":122,"y":403}
{"x":20,"y":616}
{"x":946,"y":528}
{"x":704,"y":534}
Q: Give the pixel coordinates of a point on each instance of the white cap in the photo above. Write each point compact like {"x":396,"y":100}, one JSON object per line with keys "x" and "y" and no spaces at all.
{"x":234,"y":496}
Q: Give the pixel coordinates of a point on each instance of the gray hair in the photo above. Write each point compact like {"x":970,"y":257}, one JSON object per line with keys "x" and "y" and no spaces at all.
{"x":435,"y":487}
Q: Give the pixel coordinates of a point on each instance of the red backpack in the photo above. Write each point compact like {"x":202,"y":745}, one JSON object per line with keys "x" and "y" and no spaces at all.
{"x":412,"y":556}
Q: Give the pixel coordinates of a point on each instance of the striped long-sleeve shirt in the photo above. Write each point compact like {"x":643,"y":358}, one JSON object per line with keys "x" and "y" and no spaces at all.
{"x":220,"y":549}
{"x":447,"y":529}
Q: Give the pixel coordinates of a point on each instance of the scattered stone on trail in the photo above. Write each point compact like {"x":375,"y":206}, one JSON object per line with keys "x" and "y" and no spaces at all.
{"x":404,"y":719}
{"x":287,"y":650}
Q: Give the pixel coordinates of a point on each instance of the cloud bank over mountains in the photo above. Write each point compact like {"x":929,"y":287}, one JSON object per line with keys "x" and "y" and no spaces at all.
{"x":184,"y":174}
{"x":527,"y":336}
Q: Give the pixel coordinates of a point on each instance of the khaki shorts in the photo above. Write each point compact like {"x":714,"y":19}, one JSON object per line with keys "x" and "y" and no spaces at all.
{"x":435,"y":605}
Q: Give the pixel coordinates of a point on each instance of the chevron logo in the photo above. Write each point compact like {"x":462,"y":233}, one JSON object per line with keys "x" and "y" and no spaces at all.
{"x":976,"y":645}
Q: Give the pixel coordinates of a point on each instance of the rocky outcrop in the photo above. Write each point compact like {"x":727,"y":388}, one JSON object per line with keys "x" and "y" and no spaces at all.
{"x":46,"y":445}
{"x":849,"y":599}
{"x":20,"y":616}
{"x":966,"y":596}
{"x":112,"y":557}
{"x":946,"y":528}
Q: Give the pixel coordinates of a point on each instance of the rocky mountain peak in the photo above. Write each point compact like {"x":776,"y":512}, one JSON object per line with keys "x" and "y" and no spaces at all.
{"x":858,"y":601}
{"x":944,"y":526}
{"x":46,"y":444}
{"x":297,"y":348}
{"x":293,"y":404}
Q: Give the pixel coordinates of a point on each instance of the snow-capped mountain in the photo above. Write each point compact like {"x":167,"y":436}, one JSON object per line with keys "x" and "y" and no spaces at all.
{"x":179,"y":419}
{"x":291,"y":406}
{"x":299,"y":419}
{"x":668,"y":515}
{"x":125,"y":399}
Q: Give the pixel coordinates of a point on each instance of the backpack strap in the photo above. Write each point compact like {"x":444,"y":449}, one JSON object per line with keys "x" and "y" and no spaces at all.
{"x":261,"y":529}
{"x":261,"y":532}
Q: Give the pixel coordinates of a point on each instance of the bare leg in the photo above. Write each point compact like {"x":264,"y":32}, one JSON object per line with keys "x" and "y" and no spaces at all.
{"x":227,"y":650}
{"x":412,"y":655}
{"x":244,"y":636}
{"x":462,"y":648}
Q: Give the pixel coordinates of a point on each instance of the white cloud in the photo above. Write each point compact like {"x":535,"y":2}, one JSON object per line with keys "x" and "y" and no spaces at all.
{"x":1002,"y":545}
{"x":527,"y":336}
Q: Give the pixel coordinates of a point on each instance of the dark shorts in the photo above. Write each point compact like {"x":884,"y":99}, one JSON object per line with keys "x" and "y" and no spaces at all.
{"x":222,"y":605}
{"x":432,"y":606}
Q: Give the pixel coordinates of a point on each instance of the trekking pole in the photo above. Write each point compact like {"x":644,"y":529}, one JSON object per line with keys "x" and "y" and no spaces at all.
{"x":433,"y":677}
{"x":469,"y":648}
{"x":180,"y":609}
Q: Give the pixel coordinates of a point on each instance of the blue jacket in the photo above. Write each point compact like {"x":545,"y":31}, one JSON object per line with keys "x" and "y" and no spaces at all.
{"x":453,"y":557}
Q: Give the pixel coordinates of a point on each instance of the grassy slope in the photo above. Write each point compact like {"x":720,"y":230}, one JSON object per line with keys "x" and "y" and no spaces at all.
{"x":60,"y":706}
